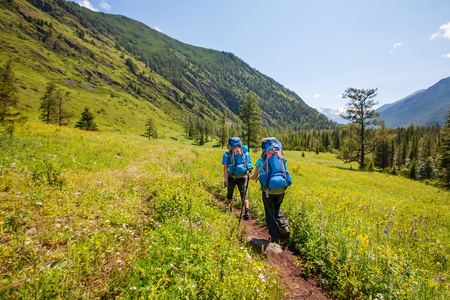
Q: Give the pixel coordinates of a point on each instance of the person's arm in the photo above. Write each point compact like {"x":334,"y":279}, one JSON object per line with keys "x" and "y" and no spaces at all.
{"x":255,"y":174}
{"x":225,"y":175}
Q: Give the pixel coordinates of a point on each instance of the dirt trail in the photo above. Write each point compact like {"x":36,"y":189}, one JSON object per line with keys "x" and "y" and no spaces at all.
{"x":285,"y":260}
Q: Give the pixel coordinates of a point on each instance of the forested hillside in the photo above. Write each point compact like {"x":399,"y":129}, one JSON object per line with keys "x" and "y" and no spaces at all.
{"x":423,"y":108}
{"x":126,"y":71}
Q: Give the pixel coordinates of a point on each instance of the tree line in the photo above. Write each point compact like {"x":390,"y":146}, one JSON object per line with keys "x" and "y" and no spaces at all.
{"x":418,"y":152}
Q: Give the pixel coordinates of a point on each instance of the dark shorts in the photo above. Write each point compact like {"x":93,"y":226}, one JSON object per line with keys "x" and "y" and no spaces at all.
{"x":232,"y":183}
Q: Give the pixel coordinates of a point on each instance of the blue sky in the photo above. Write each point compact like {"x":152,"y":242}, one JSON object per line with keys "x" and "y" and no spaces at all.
{"x":316,"y":48}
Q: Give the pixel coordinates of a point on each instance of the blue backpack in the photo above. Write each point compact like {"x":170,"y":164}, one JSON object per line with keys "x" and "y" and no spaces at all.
{"x":273,"y":177}
{"x":237,"y":167}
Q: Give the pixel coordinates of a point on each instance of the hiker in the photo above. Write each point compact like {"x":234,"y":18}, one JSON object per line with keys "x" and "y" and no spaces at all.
{"x":235,"y":167}
{"x":274,"y":178}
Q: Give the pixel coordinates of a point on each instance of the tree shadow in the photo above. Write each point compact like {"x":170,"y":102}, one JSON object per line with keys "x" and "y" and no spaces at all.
{"x":348,"y":169}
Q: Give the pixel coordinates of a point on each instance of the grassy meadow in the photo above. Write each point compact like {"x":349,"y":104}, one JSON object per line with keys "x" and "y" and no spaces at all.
{"x":99,"y":215}
{"x":368,"y":235}
{"x":103,"y":215}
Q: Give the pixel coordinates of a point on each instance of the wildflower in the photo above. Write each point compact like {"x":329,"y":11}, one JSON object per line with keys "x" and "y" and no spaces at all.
{"x":262,"y":278}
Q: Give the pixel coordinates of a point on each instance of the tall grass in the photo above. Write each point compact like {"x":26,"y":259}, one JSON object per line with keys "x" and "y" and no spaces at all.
{"x":368,"y":235}
{"x":99,"y":215}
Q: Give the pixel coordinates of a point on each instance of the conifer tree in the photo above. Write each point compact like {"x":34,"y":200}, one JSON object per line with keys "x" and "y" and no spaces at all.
{"x":445,"y":152}
{"x":150,"y":129}
{"x":383,"y":147}
{"x":86,"y":121}
{"x":402,"y":156}
{"x":223,"y":130}
{"x":63,"y":115}
{"x":413,"y":154}
{"x":361,"y":113}
{"x":250,"y":116}
{"x":425,"y":147}
{"x":8,"y":96}
{"x":49,"y":104}
{"x":413,"y":169}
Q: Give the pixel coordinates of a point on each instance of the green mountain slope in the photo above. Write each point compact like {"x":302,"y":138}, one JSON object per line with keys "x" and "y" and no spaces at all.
{"x":423,"y":108}
{"x":125,"y":71}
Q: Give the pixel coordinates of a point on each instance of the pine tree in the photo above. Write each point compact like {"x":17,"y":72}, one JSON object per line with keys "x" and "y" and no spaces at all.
{"x":425,"y":147}
{"x":413,"y":169}
{"x":8,"y":97}
{"x":445,"y":152}
{"x":250,"y":116}
{"x":223,"y":129}
{"x":86,"y":121}
{"x":360,"y":111}
{"x":413,"y":154}
{"x":383,"y":147}
{"x":63,"y":115}
{"x":49,"y":104}
{"x":150,"y":129}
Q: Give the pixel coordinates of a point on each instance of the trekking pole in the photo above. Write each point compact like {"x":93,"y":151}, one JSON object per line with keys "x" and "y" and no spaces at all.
{"x":243,"y":197}
{"x":234,"y":199}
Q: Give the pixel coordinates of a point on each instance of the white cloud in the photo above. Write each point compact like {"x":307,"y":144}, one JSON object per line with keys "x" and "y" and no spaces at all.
{"x":446,"y":55}
{"x":157,"y":28}
{"x":317,"y":95}
{"x":87,"y":4}
{"x":444,"y":31}
{"x":434,"y":35}
{"x":395,"y":46}
{"x":105,"y":5}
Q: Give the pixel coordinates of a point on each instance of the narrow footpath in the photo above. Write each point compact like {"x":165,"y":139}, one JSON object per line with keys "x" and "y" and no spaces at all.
{"x":283,"y":258}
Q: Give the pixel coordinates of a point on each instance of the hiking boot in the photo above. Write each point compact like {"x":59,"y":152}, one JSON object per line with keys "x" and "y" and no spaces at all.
{"x":285,"y":233}
{"x":246,"y":215}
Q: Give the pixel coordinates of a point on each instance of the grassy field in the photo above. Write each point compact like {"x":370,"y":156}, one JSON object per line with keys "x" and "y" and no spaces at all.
{"x":98,"y":215}
{"x":102,"y":215}
{"x":369,"y":235}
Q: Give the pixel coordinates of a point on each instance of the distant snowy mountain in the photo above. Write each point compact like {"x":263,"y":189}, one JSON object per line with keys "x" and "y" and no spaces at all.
{"x":334,"y":114}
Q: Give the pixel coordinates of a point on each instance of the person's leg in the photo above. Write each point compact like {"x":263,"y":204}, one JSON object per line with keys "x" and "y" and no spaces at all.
{"x":282,"y":222}
{"x":281,"y":219}
{"x":242,"y":185}
{"x":271,"y":216}
{"x":230,"y":191}
{"x":247,"y":209}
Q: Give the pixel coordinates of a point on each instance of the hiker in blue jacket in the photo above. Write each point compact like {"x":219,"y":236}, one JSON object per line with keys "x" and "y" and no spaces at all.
{"x":241,"y":182}
{"x":276,"y":222}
